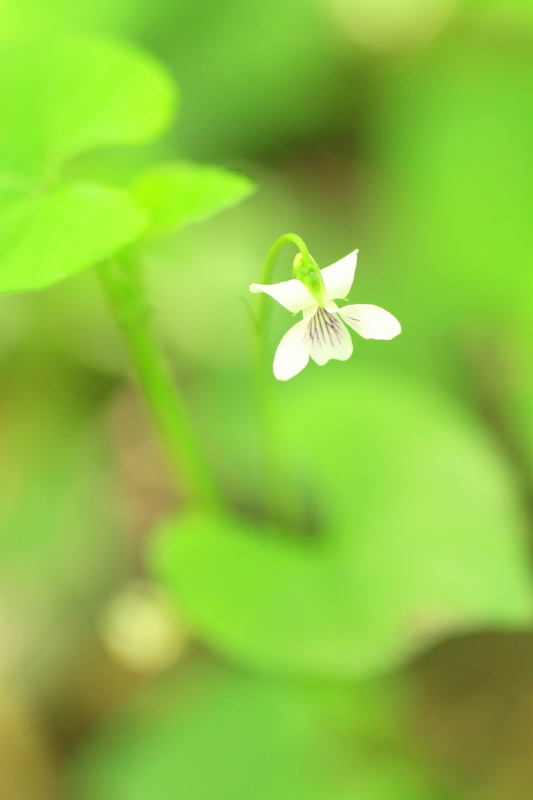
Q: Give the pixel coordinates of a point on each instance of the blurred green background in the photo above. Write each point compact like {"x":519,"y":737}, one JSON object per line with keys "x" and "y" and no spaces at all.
{"x":403,"y":128}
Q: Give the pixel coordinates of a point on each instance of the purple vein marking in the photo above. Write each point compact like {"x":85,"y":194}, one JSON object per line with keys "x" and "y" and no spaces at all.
{"x":323,"y":328}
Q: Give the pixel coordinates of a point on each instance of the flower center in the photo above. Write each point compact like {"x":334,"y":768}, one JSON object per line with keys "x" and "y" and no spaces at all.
{"x":308,"y":272}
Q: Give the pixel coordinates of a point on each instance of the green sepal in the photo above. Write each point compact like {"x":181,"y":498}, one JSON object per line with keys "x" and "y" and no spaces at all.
{"x":308,"y":272}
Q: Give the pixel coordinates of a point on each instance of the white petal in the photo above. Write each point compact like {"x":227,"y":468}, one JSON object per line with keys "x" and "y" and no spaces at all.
{"x":292,"y":354}
{"x":371,"y":322}
{"x":338,"y":278}
{"x":309,"y":311}
{"x":293,"y":294}
{"x":328,"y":338}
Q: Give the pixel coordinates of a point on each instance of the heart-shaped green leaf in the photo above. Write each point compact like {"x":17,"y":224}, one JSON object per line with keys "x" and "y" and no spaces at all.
{"x":60,"y":98}
{"x":222,"y":735}
{"x":423,"y":536}
{"x":49,"y":236}
{"x":178,"y":193}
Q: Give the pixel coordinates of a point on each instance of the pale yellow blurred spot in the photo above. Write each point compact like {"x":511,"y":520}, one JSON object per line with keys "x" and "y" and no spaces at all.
{"x":392,"y":25}
{"x":429,"y":623}
{"x":141,"y":629}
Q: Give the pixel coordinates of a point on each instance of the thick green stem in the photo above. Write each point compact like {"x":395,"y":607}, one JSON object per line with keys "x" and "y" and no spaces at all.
{"x":122,"y":283}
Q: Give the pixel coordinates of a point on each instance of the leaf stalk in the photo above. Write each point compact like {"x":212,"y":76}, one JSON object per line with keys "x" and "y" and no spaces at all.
{"x":122,"y":283}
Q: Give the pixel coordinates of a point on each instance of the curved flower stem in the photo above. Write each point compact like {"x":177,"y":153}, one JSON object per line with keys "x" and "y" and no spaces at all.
{"x":277,"y":500}
{"x":121,"y":281}
{"x":266,"y":276}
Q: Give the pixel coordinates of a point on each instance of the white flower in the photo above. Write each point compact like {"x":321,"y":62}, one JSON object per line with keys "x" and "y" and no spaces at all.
{"x":321,"y":334}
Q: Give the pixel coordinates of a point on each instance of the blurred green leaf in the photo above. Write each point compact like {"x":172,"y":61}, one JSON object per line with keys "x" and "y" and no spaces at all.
{"x":179,"y":193}
{"x":63,"y":97}
{"x":223,"y":735}
{"x":423,"y":536}
{"x":47,"y":237}
{"x":58,"y":99}
{"x":457,"y":143}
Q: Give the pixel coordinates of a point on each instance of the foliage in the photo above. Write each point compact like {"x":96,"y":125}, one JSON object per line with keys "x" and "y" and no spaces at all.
{"x":260,"y":738}
{"x":82,"y":94}
{"x":380,"y":520}
{"x":379,"y":581}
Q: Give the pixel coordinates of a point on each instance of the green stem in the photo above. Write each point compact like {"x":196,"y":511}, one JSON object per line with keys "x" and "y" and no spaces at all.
{"x":266,"y":277}
{"x":280,"y":501}
{"x":121,"y":281}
